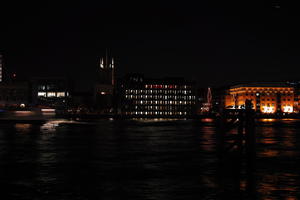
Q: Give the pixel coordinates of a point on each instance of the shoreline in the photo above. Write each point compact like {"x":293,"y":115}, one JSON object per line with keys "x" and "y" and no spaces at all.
{"x":43,"y":119}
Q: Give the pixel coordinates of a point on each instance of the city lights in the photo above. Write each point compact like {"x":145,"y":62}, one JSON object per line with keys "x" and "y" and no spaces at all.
{"x":158,"y":98}
{"x":288,"y":109}
{"x":267,"y":109}
{"x":265,"y":98}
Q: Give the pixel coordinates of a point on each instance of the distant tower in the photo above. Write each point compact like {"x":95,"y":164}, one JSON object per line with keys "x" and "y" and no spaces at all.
{"x":209,"y":96}
{"x":107,"y":70}
{"x":1,"y":67}
{"x":209,"y":99}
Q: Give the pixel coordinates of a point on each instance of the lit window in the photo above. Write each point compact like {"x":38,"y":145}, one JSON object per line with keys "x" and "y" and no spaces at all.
{"x":51,"y":94}
{"x":288,"y":109}
{"x":61,"y":94}
{"x":41,"y":94}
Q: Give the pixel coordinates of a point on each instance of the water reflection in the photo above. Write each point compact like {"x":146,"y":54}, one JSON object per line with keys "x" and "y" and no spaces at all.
{"x":209,"y":120}
{"x":150,"y":159}
{"x":49,"y":127}
{"x":278,"y":152}
{"x":23,"y":128}
{"x":267,"y":120}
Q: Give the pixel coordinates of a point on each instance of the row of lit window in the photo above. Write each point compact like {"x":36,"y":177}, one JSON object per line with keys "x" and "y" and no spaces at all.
{"x":167,"y":86}
{"x":267,"y":94}
{"x":158,"y":91}
{"x":155,"y":113}
{"x":48,"y":87}
{"x":274,"y":104}
{"x":165,"y":107}
{"x":265,"y":89}
{"x":268,"y":104}
{"x":159,"y":97}
{"x":52,"y":94}
{"x":262,"y":89}
{"x":164,"y":102}
{"x":270,"y":99}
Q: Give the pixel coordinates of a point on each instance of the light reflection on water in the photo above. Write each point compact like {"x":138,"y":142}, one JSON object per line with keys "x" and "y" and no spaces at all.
{"x":144,"y":159}
{"x":23,"y":128}
{"x":278,"y":154}
{"x":267,"y":120}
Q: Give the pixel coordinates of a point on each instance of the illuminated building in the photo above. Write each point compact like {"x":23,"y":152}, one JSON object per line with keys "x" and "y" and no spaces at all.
{"x":170,"y":97}
{"x":50,"y":91}
{"x":266,"y":97}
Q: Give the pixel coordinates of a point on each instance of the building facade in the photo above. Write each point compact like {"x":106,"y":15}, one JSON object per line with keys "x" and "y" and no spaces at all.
{"x":265,"y":97}
{"x":168,"y":97}
{"x":50,"y":91}
{"x":14,"y":94}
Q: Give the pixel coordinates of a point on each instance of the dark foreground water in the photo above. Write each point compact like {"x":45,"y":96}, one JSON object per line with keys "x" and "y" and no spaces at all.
{"x":144,"y":160}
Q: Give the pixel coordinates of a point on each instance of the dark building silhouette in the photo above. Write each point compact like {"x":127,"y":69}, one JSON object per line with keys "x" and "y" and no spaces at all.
{"x":14,"y":94}
{"x":105,"y":87}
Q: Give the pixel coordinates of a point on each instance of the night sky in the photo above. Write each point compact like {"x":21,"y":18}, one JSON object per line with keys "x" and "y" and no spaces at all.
{"x":213,"y":43}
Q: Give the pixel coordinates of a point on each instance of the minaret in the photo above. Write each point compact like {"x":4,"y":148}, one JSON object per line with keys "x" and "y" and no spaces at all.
{"x":112,"y":66}
{"x":101,"y":63}
{"x":209,"y":99}
{"x":209,"y":96}
{"x":107,"y":69}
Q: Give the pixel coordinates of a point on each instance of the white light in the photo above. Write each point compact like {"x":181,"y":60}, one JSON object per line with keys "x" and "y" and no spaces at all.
{"x":47,"y":110}
{"x":268,"y":109}
{"x":101,"y":63}
{"x":51,"y":94}
{"x":287,"y":109}
{"x":22,"y":105}
{"x":41,"y":94}
{"x":61,"y":94}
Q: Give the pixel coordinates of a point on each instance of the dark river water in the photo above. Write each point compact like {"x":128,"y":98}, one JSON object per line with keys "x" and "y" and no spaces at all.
{"x":150,"y":159}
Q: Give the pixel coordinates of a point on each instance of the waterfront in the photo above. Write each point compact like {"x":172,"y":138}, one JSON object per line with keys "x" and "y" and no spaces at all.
{"x":143,"y":159}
